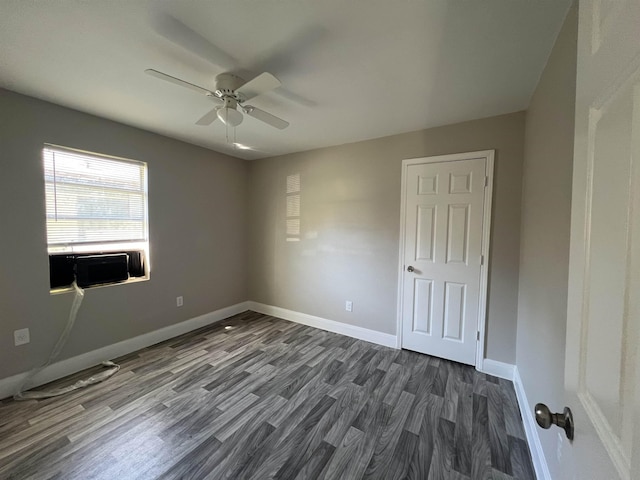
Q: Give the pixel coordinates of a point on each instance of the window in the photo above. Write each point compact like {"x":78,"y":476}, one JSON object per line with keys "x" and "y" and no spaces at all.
{"x":95,"y":205}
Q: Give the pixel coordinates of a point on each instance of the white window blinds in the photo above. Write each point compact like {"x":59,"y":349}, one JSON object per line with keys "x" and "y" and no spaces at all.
{"x":92,"y":199}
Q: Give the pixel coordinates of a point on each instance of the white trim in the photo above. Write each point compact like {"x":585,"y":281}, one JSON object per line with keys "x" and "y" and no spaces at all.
{"x":510,"y":372}
{"x":484,"y":268}
{"x":72,"y":365}
{"x":489,"y":156}
{"x":608,"y":437}
{"x":360,"y":333}
{"x":531,"y":430}
{"x":498,"y":369}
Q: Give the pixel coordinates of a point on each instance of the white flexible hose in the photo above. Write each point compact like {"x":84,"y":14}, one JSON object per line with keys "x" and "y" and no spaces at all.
{"x":62,"y":340}
{"x":39,"y":394}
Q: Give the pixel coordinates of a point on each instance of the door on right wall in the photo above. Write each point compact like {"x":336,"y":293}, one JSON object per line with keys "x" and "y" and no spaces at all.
{"x":441,"y":281}
{"x":602,"y":366}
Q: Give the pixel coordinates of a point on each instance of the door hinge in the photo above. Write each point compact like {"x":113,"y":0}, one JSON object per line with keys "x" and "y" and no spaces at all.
{"x":486,"y":181}
{"x":478,"y":336}
{"x":481,"y":259}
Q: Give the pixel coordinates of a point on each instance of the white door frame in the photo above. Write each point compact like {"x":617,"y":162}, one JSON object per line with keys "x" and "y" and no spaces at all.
{"x":488,"y":155}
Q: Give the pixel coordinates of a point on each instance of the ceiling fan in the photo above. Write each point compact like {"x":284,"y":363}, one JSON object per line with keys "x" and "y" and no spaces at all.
{"x":230,"y":94}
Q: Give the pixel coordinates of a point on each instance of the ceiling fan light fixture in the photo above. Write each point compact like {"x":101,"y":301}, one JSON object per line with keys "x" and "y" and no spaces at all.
{"x":229,"y":116}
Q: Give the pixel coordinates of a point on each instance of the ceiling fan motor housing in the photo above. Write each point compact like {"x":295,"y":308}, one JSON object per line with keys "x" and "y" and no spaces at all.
{"x":226,"y":85}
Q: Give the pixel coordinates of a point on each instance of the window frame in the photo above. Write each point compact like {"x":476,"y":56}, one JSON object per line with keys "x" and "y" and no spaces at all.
{"x":106,"y":246}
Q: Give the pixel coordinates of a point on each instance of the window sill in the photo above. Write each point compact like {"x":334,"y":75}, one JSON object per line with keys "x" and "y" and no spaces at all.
{"x":61,"y":290}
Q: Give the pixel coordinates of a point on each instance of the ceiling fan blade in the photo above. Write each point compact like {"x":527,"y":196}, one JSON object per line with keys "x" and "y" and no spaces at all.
{"x":177,"y":81}
{"x":208,"y":118}
{"x":265,"y":117}
{"x":258,"y":85}
{"x":177,"y":32}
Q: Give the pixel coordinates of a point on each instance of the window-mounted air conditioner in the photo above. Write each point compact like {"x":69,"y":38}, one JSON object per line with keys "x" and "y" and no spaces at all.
{"x":103,"y":268}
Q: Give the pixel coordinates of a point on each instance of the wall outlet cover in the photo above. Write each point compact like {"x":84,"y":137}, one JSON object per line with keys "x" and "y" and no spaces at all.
{"x":21,"y":337}
{"x":179,"y":301}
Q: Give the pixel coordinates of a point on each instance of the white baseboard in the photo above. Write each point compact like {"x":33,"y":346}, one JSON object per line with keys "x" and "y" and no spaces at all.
{"x":510,"y":372}
{"x":8,"y":386}
{"x":498,"y":369}
{"x":360,"y":333}
{"x":531,"y":430}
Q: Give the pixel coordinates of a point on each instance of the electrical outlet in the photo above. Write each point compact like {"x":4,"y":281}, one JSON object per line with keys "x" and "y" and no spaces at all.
{"x":21,"y":337}
{"x":348,"y":306}
{"x":179,"y":301}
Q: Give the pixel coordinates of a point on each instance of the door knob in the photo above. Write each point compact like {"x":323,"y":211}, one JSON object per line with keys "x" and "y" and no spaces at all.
{"x":410,"y":269}
{"x":564,"y":420}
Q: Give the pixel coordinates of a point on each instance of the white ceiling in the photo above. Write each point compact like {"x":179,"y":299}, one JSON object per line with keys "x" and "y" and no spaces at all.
{"x":351,"y":69}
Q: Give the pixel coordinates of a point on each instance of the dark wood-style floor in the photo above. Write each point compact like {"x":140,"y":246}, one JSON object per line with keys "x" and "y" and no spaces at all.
{"x":257,"y":397}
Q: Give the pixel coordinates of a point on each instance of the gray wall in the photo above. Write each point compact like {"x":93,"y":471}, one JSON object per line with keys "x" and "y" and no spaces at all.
{"x":197,"y":227}
{"x":217,"y":229}
{"x":546,"y":211}
{"x":350,"y":217}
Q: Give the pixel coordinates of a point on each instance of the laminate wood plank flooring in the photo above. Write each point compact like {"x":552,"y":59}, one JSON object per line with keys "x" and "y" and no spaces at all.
{"x":257,"y":397}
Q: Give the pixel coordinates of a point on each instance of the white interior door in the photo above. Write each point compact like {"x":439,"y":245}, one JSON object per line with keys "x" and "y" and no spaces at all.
{"x":604,"y":288}
{"x":444,"y":201}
